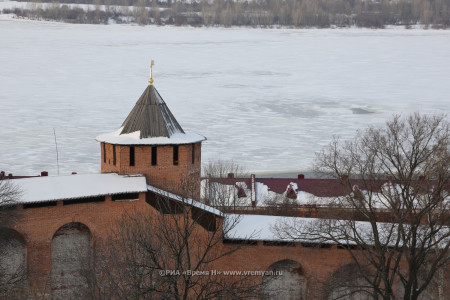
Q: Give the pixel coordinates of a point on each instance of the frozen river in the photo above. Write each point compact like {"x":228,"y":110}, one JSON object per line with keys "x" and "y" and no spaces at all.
{"x":267,"y":99}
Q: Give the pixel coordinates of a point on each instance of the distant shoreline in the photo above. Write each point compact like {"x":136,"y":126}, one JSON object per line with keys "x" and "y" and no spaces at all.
{"x":286,"y":14}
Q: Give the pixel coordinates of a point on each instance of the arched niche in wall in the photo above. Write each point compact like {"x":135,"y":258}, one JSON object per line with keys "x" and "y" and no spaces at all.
{"x":71,"y":261}
{"x":12,"y":264}
{"x":284,"y":280}
{"x":348,"y":283}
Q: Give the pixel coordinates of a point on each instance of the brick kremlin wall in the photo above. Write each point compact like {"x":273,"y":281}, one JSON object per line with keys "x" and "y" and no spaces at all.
{"x":39,"y":225}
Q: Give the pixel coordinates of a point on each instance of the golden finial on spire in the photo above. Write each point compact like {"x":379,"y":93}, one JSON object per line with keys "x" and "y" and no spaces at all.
{"x":150,"y":81}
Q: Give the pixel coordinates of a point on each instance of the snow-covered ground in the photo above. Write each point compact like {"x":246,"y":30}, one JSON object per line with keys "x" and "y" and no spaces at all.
{"x":266,"y":98}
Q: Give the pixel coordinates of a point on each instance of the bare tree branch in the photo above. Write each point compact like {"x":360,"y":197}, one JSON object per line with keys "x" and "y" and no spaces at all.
{"x":170,"y":252}
{"x":401,"y":170}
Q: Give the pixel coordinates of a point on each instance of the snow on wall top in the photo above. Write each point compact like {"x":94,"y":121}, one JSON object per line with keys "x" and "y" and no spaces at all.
{"x":257,"y":227}
{"x":263,"y":228}
{"x":42,"y":189}
{"x":187,"y":201}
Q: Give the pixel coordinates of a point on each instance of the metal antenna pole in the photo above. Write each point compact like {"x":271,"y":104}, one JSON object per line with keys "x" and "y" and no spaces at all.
{"x":56,"y":145}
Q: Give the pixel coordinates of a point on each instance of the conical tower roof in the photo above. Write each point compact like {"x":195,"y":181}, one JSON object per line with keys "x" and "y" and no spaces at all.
{"x":151,"y":117}
{"x":150,"y":122}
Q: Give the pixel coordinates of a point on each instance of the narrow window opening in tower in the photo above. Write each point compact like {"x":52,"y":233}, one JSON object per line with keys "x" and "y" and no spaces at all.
{"x":175,"y":155}
{"x":154,"y":158}
{"x":193,"y":153}
{"x":104,"y":152}
{"x":114,"y":154}
{"x":131,"y":156}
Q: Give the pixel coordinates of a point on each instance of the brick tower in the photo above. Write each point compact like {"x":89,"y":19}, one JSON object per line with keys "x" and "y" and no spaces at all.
{"x":151,"y":142}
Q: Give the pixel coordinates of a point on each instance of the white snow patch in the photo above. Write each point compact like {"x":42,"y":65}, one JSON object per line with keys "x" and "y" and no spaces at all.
{"x":134,"y":138}
{"x":255,"y":227}
{"x":184,"y":200}
{"x":263,"y":228}
{"x":50,"y":188}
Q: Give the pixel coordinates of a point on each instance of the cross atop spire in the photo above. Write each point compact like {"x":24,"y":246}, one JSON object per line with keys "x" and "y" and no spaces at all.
{"x":150,"y":81}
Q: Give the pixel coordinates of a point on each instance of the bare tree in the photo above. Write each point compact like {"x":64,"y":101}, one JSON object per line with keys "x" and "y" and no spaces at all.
{"x":9,"y":193}
{"x":221,"y":169}
{"x":398,"y":174}
{"x":218,"y":189}
{"x":281,"y":205}
{"x":12,"y":245}
{"x":170,"y":252}
{"x":347,"y":282}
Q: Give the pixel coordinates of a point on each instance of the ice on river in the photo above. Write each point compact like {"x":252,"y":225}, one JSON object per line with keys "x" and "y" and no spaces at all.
{"x":266,"y":98}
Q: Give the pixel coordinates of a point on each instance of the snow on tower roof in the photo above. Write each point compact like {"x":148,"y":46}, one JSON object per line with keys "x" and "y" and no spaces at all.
{"x":150,"y":122}
{"x":134,"y":138}
{"x":51,"y":188}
